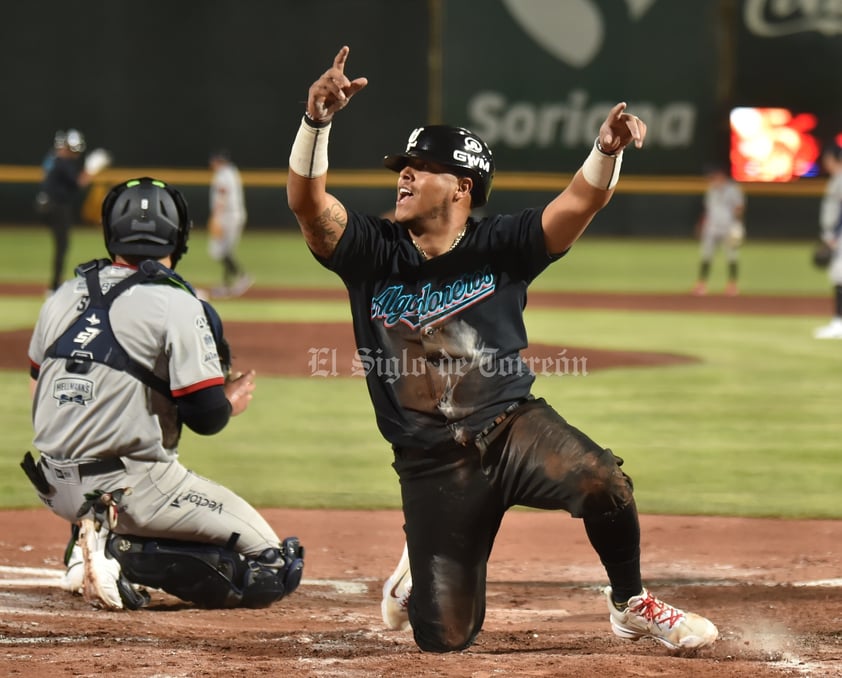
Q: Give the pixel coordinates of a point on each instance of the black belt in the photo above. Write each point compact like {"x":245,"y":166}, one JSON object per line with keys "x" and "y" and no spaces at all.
{"x":481,"y":440}
{"x":500,"y":418}
{"x":92,"y":468}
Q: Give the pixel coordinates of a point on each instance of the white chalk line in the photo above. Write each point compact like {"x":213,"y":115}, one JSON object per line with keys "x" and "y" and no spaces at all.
{"x":50,"y":577}
{"x":43,"y":576}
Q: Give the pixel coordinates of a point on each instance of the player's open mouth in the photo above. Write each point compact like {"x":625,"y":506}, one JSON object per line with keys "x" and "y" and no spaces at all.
{"x":403,"y":195}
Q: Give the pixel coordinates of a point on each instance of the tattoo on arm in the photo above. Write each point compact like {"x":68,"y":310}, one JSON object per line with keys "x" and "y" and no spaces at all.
{"x":324,"y":231}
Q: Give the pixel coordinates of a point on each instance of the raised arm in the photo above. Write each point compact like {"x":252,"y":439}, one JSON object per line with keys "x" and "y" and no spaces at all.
{"x":321,"y":216}
{"x":569,"y":213}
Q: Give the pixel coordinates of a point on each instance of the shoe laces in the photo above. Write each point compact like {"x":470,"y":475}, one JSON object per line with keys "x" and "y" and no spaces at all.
{"x":403,"y":599}
{"x":657,"y":611}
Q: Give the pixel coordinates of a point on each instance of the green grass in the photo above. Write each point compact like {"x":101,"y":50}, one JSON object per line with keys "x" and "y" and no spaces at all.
{"x":594,"y":264}
{"x":643,"y":265}
{"x":752,"y":428}
{"x":272,"y":258}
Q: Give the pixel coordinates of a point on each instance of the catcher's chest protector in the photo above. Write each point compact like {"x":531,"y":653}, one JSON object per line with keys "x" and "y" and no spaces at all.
{"x":90,"y":339}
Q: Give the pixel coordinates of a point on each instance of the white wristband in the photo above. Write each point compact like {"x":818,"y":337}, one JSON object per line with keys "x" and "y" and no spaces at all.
{"x":602,"y":170}
{"x":308,"y":157}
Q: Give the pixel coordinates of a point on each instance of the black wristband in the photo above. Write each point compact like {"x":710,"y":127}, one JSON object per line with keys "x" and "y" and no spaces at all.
{"x":603,"y":151}
{"x":315,"y":124}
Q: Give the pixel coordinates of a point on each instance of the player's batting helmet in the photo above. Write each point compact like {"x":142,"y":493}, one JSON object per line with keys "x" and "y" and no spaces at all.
{"x":72,"y":139}
{"x":454,"y":147}
{"x":145,"y":218}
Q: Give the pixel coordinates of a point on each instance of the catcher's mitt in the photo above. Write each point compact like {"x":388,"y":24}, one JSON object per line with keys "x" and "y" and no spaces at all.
{"x":822,"y":254}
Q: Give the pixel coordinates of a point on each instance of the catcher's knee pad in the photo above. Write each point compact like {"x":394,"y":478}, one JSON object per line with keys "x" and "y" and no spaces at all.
{"x":275,"y":573}
{"x":208,"y":576}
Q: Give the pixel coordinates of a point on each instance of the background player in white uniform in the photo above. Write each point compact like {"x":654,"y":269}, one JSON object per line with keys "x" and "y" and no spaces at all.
{"x":226,"y":223}
{"x":830,"y":220}
{"x":721,"y":226}
{"x":101,"y":429}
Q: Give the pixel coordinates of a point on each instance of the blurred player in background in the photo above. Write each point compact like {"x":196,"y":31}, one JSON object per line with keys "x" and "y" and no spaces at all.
{"x":830,"y":220}
{"x":66,"y":173}
{"x":721,"y":226}
{"x":225,"y":225}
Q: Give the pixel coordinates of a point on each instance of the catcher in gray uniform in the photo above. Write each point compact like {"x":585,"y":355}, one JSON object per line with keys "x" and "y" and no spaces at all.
{"x":121,"y":357}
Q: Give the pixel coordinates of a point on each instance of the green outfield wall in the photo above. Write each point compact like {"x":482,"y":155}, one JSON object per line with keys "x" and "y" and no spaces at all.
{"x":161,"y":83}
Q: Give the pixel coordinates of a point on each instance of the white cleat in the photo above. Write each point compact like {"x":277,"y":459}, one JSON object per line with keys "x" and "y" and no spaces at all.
{"x":830,"y":331}
{"x":73,"y":579}
{"x":100,"y":572}
{"x":396,"y":590}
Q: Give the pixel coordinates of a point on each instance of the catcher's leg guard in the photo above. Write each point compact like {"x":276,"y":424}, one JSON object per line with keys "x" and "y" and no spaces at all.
{"x":203,"y":574}
{"x":209,"y":576}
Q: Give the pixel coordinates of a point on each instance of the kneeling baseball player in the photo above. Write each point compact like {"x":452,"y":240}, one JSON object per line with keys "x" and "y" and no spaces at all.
{"x":469,"y":438}
{"x":121,"y":357}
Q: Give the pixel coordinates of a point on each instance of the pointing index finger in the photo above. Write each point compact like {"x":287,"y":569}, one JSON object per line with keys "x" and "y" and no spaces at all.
{"x":341,"y":58}
{"x":618,"y":110}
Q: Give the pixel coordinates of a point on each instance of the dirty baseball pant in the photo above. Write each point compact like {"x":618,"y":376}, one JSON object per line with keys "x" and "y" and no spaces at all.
{"x":166,"y":501}
{"x":454,"y":500}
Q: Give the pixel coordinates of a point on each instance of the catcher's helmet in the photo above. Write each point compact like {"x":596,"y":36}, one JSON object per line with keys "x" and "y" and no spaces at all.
{"x":454,"y":147}
{"x":145,"y":217}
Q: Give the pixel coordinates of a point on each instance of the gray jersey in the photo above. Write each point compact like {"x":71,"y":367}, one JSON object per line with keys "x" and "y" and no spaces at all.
{"x":164,"y":329}
{"x":723,"y":205}
{"x":106,"y":413}
{"x":830,"y":214}
{"x":227,"y":203}
{"x":227,"y":200}
{"x":830,"y":211}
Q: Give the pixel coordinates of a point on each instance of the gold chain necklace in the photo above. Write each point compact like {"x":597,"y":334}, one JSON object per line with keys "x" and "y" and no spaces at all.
{"x":453,"y":245}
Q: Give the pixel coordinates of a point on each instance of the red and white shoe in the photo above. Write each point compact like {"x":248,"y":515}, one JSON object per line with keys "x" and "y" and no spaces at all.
{"x":645,"y":616}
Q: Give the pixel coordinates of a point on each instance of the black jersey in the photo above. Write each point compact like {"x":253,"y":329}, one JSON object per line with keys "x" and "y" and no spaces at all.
{"x":439,"y":341}
{"x":61,"y":183}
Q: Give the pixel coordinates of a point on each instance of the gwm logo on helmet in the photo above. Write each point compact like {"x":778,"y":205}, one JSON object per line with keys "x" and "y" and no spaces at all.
{"x":467,"y":158}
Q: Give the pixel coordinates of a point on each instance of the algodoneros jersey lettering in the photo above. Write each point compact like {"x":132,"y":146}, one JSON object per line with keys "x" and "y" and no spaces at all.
{"x":439,"y":341}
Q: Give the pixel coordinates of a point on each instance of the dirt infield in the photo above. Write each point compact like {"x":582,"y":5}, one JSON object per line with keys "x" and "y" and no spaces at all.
{"x":768,"y":585}
{"x":772,"y":587}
